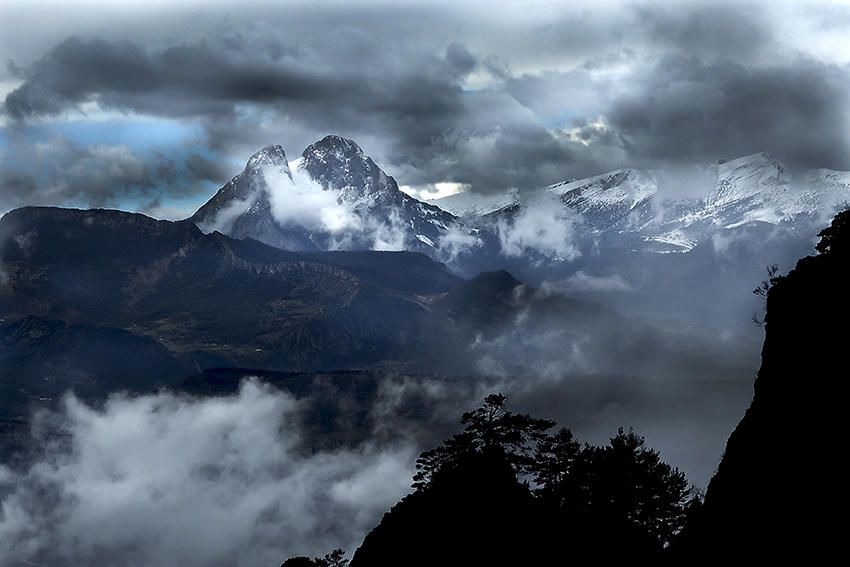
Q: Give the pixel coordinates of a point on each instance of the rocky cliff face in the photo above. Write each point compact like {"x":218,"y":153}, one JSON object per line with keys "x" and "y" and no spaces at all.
{"x":780,"y":483}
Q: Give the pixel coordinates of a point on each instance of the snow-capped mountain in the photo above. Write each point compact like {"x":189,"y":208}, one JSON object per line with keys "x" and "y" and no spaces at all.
{"x":676,"y":214}
{"x":468,"y":204}
{"x":634,"y":239}
{"x":618,"y":200}
{"x":336,"y":197}
{"x":333,"y":197}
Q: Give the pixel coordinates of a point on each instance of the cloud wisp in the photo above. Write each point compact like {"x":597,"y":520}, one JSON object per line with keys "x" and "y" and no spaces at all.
{"x":542,"y":225}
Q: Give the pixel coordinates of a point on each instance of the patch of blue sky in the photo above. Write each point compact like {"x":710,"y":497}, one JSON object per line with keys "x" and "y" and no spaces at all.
{"x":563,"y":119}
{"x":139,"y":134}
{"x":146,"y":137}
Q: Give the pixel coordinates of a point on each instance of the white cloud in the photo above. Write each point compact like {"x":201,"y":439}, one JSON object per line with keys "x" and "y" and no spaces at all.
{"x":433,"y":191}
{"x":456,"y":241}
{"x":389,"y":235}
{"x":582,"y":281}
{"x":303,"y":202}
{"x":541,"y":225}
{"x":166,"y":480}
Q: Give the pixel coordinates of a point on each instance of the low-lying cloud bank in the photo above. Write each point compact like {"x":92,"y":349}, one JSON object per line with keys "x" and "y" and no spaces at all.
{"x":243,"y":480}
{"x":168,"y":480}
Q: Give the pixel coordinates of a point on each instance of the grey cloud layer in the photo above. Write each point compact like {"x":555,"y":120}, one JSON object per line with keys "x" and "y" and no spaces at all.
{"x":560,"y":94}
{"x":689,"y":110}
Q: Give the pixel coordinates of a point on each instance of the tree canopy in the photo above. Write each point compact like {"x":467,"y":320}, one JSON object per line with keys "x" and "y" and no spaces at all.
{"x":506,"y":490}
{"x":489,"y":428}
{"x":622,"y":486}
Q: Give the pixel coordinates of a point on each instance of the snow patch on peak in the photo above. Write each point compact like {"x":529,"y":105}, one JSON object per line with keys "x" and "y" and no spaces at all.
{"x":755,"y":159}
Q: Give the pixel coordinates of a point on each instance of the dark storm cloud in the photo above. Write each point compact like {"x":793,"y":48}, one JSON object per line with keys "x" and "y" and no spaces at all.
{"x":64,"y":170}
{"x":346,"y":76}
{"x":204,"y":169}
{"x":494,"y":144}
{"x":718,"y":29}
{"x":689,"y":110}
{"x":182,"y":80}
{"x":432,"y":99}
{"x":460,"y":57}
{"x":235,"y":82}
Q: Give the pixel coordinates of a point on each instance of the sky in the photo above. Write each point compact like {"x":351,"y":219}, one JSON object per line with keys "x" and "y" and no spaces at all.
{"x":151,"y":106}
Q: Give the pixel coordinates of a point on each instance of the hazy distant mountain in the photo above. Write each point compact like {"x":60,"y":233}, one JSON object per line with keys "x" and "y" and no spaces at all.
{"x":650,"y":241}
{"x":469,"y":205}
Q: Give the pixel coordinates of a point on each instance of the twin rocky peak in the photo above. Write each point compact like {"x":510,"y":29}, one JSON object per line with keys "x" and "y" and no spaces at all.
{"x":380,"y":212}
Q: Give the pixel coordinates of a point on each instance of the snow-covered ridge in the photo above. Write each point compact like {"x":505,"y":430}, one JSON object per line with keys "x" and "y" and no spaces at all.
{"x":651,"y":210}
{"x":676,"y":214}
{"x":622,"y":187}
{"x":471,"y":204}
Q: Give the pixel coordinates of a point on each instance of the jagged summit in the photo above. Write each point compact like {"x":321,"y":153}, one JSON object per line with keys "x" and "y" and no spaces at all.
{"x":339,"y":163}
{"x":674,"y":211}
{"x":272,"y":154}
{"x":332,"y":146}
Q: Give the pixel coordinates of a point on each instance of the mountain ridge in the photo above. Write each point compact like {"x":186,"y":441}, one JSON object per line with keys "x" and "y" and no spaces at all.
{"x":651,"y":211}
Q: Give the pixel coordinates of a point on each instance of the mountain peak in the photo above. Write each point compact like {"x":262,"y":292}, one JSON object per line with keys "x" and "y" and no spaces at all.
{"x":756,"y":159}
{"x":340,"y":164}
{"x":332,"y":146}
{"x":272,"y":154}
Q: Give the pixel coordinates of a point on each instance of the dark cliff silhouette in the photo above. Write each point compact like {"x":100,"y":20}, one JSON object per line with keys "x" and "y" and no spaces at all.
{"x":778,"y":491}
